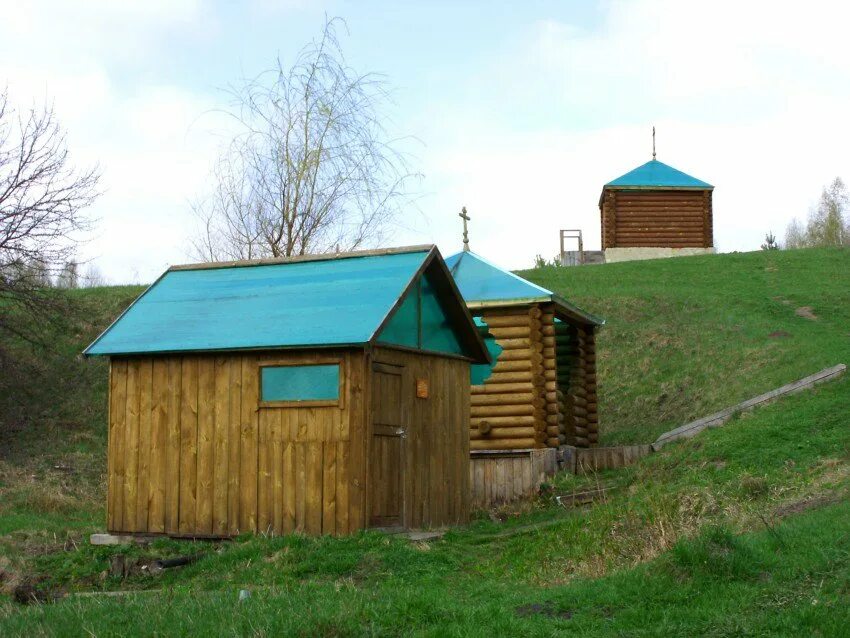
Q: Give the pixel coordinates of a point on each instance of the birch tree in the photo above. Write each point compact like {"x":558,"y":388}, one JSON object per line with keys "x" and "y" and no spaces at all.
{"x":828,"y":223}
{"x":312,"y":168}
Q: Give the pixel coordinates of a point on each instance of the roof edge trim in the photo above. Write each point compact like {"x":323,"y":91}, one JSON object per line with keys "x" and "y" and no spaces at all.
{"x":434,"y":257}
{"x":246,"y":263}
{"x":87,"y":351}
{"x":576,"y":312}
{"x":618,"y":187}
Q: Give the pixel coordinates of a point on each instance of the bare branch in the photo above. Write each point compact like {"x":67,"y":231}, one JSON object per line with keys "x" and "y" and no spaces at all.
{"x":312,"y":169}
{"x":41,"y":220}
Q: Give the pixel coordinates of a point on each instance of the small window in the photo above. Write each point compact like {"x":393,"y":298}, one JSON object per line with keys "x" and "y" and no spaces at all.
{"x":303,"y":384}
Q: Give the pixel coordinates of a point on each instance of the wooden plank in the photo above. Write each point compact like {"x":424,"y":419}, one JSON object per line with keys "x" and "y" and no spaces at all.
{"x":131,"y":450}
{"x":458,"y":454}
{"x":173,"y":448}
{"x":313,"y":522}
{"x":719,"y":418}
{"x":481,"y":483}
{"x":144,"y":444}
{"x":276,"y":501}
{"x":248,"y":457}
{"x":301,"y":487}
{"x":158,"y":446}
{"x":206,"y":435}
{"x":265,"y":460}
{"x":233,"y":444}
{"x":221,"y":440}
{"x":436,"y":475}
{"x":490,"y":483}
{"x":528,"y":486}
{"x":289,"y":487}
{"x":465,"y":487}
{"x":359,"y":412}
{"x":342,"y":502}
{"x":188,"y":445}
{"x":329,"y":470}
{"x":110,"y":451}
{"x":117,"y":443}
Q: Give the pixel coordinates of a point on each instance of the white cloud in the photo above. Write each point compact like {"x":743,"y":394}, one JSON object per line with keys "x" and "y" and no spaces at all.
{"x":750,"y":99}
{"x":92,"y":61}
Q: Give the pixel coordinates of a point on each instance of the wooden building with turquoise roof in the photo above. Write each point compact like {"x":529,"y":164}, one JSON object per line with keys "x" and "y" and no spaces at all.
{"x":322,"y":394}
{"x":655,"y":211}
{"x":540,"y":388}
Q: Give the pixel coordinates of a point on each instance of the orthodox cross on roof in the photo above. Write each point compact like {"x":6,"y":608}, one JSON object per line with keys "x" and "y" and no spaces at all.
{"x":653,"y":142}
{"x":465,"y":219}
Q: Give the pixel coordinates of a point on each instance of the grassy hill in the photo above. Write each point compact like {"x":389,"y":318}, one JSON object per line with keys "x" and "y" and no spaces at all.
{"x":744,"y":530}
{"x":690,"y":336}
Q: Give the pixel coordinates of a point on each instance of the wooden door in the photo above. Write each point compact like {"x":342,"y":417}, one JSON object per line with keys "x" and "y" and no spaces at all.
{"x":386,"y":508}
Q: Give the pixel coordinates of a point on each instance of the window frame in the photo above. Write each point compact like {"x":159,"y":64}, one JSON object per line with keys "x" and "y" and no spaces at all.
{"x":306,"y":403}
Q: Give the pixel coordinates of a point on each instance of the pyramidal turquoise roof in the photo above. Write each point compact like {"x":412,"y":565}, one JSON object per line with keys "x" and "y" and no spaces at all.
{"x":333,"y":300}
{"x":655,"y":174}
{"x":481,"y":282}
{"x":478,"y":280}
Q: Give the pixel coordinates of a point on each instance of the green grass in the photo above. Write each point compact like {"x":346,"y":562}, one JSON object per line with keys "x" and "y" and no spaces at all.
{"x":690,"y":336}
{"x":744,"y":530}
{"x":53,"y":433}
{"x":697,"y":540}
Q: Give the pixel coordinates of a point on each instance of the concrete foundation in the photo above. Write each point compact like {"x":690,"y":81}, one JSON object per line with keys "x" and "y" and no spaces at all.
{"x":634,"y":254}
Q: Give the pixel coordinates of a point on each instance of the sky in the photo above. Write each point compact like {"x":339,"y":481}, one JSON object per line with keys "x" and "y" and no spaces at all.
{"x":518,"y":111}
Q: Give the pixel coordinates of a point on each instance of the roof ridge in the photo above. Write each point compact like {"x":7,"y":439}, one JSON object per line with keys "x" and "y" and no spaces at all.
{"x":272,"y":261}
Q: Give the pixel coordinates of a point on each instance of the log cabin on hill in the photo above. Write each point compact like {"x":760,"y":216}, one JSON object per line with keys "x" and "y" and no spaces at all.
{"x":656,"y":211}
{"x":540,"y":389}
{"x":321,"y":394}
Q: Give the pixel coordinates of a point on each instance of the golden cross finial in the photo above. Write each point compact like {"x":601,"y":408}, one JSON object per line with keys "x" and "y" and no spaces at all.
{"x":465,"y":219}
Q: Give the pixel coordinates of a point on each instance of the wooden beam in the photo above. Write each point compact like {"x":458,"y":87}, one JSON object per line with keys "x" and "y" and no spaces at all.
{"x":716,"y":420}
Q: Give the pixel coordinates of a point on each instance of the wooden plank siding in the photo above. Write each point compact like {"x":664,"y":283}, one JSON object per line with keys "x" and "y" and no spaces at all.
{"x":661,"y":218}
{"x":435,"y":483}
{"x":192,"y":452}
{"x":499,"y":477}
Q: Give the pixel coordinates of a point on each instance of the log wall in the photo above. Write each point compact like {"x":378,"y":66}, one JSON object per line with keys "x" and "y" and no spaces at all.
{"x":542,"y":392}
{"x":663,"y":219}
{"x":509,"y":410}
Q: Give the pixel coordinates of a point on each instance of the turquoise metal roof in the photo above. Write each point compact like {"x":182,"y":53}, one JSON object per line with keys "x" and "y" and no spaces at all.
{"x":333,"y":301}
{"x":479,"y":280}
{"x":655,"y":174}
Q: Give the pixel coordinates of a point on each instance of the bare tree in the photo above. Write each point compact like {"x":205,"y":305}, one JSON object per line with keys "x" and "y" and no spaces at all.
{"x":41,"y":201}
{"x":795,"y":235}
{"x":69,"y":276}
{"x":93,"y":278}
{"x":313,"y":167}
